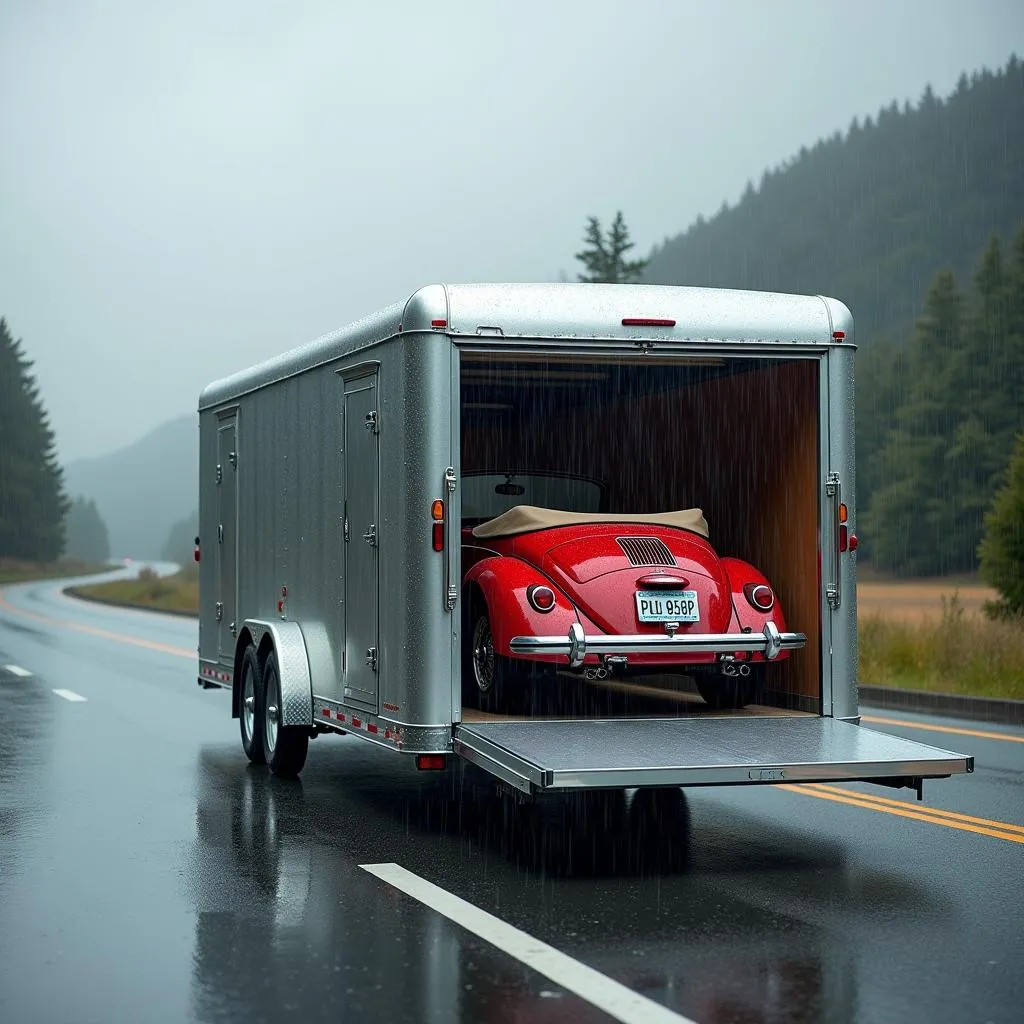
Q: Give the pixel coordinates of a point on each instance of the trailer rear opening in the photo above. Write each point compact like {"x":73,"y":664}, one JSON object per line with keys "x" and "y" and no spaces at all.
{"x":738,"y":438}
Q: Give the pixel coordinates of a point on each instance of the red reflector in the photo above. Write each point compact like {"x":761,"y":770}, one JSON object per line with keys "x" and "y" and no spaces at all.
{"x":357,"y":722}
{"x":280,"y":607}
{"x":843,"y":539}
{"x":437,"y":536}
{"x":341,"y":717}
{"x":430,"y":762}
{"x":438,"y":323}
{"x":370,"y":727}
{"x":326,"y":712}
{"x":646,"y":321}
{"x":853,"y":542}
{"x":839,"y":335}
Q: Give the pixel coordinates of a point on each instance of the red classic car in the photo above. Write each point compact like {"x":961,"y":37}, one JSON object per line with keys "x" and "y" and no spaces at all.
{"x":551,"y":580}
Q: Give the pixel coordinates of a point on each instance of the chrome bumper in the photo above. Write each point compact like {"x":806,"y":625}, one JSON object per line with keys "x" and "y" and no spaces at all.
{"x":577,"y":645}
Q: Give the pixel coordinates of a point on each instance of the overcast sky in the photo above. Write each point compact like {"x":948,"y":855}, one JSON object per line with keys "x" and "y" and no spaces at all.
{"x":187,"y":188}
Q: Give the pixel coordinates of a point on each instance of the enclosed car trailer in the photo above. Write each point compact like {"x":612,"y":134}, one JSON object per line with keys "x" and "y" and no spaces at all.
{"x":336,"y":481}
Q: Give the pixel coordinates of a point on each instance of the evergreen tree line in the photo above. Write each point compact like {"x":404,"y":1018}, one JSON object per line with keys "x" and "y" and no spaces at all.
{"x":939,"y":418}
{"x":32,"y":500}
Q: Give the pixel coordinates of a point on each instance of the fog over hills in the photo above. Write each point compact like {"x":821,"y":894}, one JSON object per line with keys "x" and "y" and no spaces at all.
{"x":142,"y":489}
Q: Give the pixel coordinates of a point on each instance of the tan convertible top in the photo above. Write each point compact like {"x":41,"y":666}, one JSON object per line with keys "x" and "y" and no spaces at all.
{"x":524,"y":518}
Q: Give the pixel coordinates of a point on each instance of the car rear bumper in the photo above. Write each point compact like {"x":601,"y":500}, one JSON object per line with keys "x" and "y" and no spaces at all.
{"x":577,"y":645}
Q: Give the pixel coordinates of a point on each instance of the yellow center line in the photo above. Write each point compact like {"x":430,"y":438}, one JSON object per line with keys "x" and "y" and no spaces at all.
{"x":878,"y":720}
{"x":914,"y":814}
{"x":105,"y":634}
{"x":934,"y":811}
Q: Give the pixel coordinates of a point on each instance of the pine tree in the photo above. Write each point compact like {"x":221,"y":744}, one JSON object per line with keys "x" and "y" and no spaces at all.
{"x":1002,"y":549}
{"x":87,"y":537}
{"x":32,"y":500}
{"x":604,"y":257}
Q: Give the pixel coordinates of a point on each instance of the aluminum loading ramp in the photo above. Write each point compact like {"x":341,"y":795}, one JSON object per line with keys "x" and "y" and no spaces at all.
{"x":623,"y":753}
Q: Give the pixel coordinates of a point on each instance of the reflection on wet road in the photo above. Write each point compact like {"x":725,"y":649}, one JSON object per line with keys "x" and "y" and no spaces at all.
{"x":148,"y":873}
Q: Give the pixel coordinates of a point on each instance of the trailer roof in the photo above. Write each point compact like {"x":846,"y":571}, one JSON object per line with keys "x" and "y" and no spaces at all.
{"x":581,"y":312}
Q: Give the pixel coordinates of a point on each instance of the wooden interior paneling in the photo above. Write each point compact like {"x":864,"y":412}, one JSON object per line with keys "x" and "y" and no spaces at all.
{"x":743,"y":447}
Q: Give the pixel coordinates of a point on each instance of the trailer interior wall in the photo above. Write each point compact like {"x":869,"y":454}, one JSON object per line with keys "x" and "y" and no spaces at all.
{"x":739,"y":439}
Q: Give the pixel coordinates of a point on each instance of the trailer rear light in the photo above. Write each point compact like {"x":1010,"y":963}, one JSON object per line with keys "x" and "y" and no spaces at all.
{"x":431,"y":762}
{"x":844,"y":540}
{"x":438,"y":323}
{"x":838,"y":335}
{"x":844,"y":513}
{"x":647,"y":321}
{"x":437,"y":529}
{"x":541,"y":598}
{"x":195,"y":553}
{"x":760,"y":596}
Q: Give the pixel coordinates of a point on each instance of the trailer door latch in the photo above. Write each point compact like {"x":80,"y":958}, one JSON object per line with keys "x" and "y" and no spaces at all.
{"x":220,"y":611}
{"x":371,"y":535}
{"x":370,"y":422}
{"x":371,"y":658}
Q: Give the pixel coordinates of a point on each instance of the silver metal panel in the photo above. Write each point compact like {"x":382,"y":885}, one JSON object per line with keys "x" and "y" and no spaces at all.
{"x":842,"y":462}
{"x":293,"y":667}
{"x":566,"y":311}
{"x":362,"y":536}
{"x":697,"y":751}
{"x":226,"y":538}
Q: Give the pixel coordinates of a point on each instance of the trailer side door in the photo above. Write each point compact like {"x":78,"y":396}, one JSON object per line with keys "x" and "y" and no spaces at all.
{"x":227,"y":535}
{"x":361,"y":542}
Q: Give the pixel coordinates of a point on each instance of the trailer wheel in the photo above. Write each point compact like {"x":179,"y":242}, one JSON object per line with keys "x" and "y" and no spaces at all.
{"x":284,"y":746}
{"x":248,"y":707}
{"x":729,"y":693}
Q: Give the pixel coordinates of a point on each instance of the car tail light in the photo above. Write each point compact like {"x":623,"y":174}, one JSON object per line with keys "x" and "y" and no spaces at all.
{"x":541,"y":598}
{"x":437,"y":529}
{"x":760,"y":596}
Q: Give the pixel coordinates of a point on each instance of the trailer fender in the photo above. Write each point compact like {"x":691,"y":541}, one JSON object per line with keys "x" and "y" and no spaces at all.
{"x":286,"y":640}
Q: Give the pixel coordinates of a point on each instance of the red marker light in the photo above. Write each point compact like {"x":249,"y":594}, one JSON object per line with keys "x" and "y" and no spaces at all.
{"x":438,"y":323}
{"x":838,"y":335}
{"x":431,"y":762}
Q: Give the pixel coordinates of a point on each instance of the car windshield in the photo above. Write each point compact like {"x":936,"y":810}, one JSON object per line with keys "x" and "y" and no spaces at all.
{"x":486,"y":495}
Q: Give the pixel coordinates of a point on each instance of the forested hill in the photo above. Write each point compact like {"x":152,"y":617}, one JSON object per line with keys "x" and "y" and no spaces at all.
{"x":870,"y":216}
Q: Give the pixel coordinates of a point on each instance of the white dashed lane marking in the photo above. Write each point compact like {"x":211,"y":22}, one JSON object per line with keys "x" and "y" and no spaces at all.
{"x":17,"y":670}
{"x":70,"y":695}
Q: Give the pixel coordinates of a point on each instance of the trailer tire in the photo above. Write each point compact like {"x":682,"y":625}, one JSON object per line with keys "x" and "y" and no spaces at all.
{"x":284,"y":746}
{"x":729,"y":693}
{"x":249,"y":721}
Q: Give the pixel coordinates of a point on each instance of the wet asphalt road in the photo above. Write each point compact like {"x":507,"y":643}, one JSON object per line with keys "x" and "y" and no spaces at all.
{"x":147,"y":873}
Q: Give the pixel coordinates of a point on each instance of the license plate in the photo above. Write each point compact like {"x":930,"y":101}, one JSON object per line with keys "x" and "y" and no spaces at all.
{"x":667,"y":606}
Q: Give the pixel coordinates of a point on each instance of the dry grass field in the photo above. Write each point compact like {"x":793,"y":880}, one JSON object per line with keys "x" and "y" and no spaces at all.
{"x":917,"y":600}
{"x":934,"y":635}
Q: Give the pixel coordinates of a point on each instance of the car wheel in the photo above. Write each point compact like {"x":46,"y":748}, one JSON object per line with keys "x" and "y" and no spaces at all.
{"x":494,"y":683}
{"x":284,"y":746}
{"x":248,"y":707}
{"x":729,"y":693}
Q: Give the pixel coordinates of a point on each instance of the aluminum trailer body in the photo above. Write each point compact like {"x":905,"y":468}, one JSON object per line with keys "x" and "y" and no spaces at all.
{"x":319,"y":471}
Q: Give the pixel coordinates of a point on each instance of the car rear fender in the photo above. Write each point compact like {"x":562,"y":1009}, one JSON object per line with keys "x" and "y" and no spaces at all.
{"x":741,"y":574}
{"x":503,"y":582}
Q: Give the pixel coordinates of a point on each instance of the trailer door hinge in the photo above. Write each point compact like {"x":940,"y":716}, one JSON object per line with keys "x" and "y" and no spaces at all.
{"x":220,"y":533}
{"x":371,"y":535}
{"x":234,"y":629}
{"x":220,"y":473}
{"x":371,"y":658}
{"x":449,"y":480}
{"x":220,"y":611}
{"x":233,"y":459}
{"x":371,"y":422}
